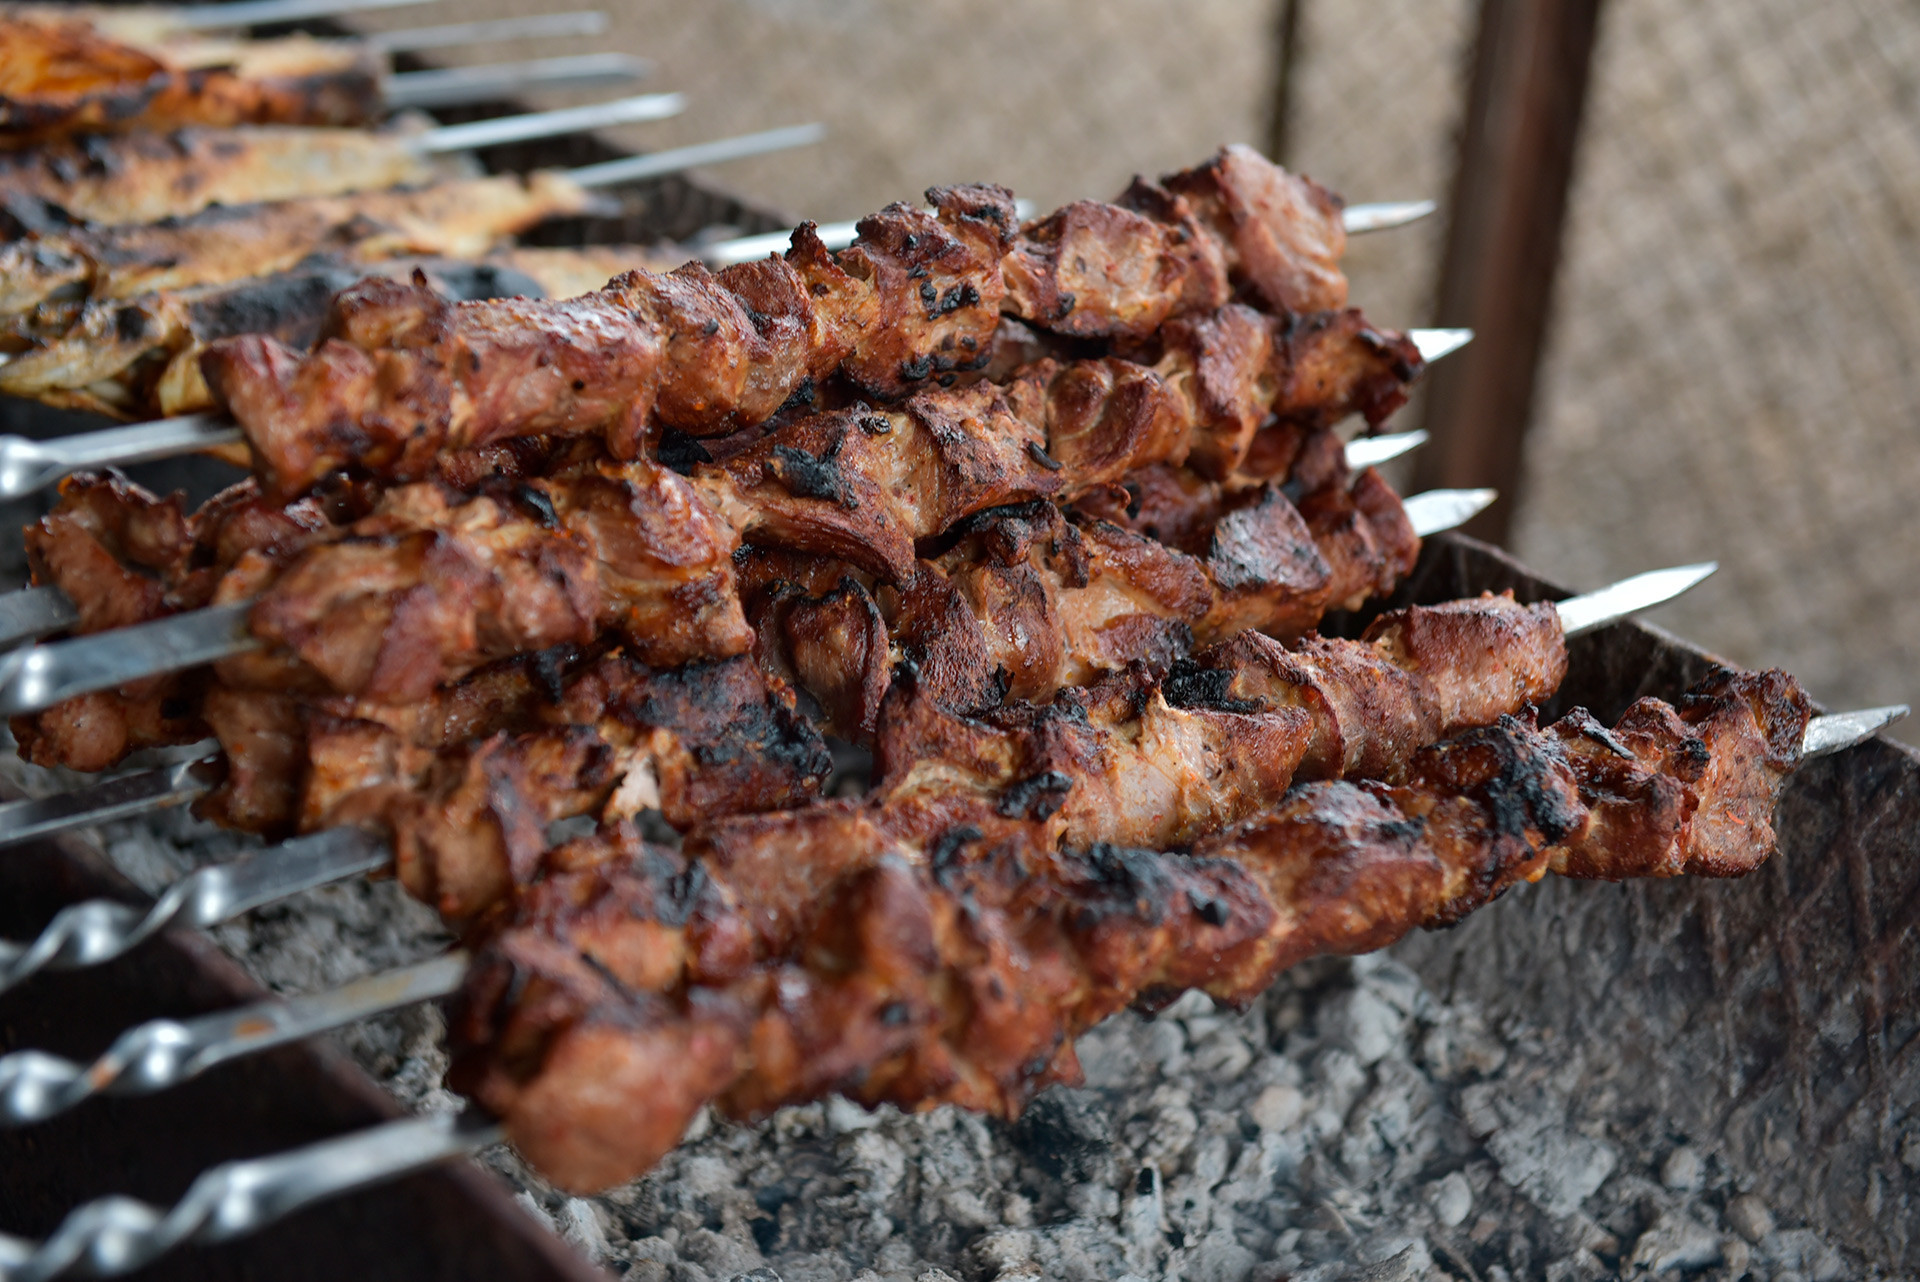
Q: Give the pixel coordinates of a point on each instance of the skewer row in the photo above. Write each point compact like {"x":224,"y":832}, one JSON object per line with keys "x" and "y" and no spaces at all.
{"x":117,"y":1234}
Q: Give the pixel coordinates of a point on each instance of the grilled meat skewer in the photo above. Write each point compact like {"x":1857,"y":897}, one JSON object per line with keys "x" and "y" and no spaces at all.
{"x":958,"y":965}
{"x":140,"y":358}
{"x":916,"y":301}
{"x":145,"y":177}
{"x":463,"y":218}
{"x":63,"y":76}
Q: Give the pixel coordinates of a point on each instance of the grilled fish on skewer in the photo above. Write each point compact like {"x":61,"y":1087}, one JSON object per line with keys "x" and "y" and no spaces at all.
{"x":297,"y":1178}
{"x":144,"y":177}
{"x":464,"y":873}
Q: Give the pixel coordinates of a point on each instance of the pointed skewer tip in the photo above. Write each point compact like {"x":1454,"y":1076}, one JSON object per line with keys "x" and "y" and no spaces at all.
{"x":1842,"y":730}
{"x":1435,"y":343}
{"x":1630,"y":596}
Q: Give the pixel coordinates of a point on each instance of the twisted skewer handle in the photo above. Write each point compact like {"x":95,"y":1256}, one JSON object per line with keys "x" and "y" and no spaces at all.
{"x":165,"y":1052}
{"x":87,"y":934}
{"x":110,"y":799}
{"x":120,"y":1234}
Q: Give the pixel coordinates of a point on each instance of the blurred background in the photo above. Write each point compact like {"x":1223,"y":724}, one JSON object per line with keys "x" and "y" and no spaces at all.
{"x":1725,"y":364}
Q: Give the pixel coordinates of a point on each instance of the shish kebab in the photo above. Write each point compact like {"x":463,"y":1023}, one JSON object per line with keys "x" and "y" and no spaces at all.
{"x":635,"y":547}
{"x":463,"y":817}
{"x":451,"y":218}
{"x":1096,"y":453}
{"x":61,"y":76}
{"x":148,"y":22}
{"x":617,"y":957}
{"x":262,"y":731}
{"x":145,"y":177}
{"x":121,"y":557}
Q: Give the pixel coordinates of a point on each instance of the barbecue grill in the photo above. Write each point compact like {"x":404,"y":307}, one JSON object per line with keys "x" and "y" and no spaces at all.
{"x":1718,"y":1001}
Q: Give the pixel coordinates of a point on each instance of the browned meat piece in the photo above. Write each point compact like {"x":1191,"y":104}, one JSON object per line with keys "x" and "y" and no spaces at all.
{"x":61,"y":77}
{"x":1093,"y":270}
{"x":466,"y":800}
{"x":938,"y":281}
{"x":1330,"y":364}
{"x":624,"y":993}
{"x":1026,"y":600}
{"x":455,"y":219}
{"x":1415,"y":676}
{"x":432,"y":585}
{"x":141,"y":358}
{"x":1281,"y":234}
{"x":111,"y":547}
{"x":431,"y":377}
{"x":146,"y":176}
{"x":124,"y":556}
{"x":862,"y":485}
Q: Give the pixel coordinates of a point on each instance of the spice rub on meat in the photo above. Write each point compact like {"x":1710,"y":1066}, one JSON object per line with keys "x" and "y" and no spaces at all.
{"x":632,"y":988}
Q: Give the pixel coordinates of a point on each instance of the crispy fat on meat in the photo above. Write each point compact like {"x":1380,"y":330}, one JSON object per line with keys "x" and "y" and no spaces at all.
{"x":62,"y":77}
{"x":965,"y":977}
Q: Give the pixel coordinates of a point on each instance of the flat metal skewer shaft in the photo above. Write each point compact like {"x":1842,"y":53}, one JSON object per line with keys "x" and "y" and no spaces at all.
{"x":451,"y":86}
{"x":119,"y":1234}
{"x":34,"y":612}
{"x":548,"y":124}
{"x":532,"y":26}
{"x":671,"y":161}
{"x":165,"y":1052}
{"x":110,"y":799}
{"x":259,"y":13}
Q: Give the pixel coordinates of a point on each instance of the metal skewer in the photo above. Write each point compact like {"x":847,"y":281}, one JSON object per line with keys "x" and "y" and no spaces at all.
{"x":450,"y":86}
{"x":27,"y":466}
{"x":130,"y":794}
{"x":260,"y":13}
{"x":120,"y":1234}
{"x":533,"y":26}
{"x":652,"y":165}
{"x":165,"y":1052}
{"x":35,"y":677}
{"x":548,"y":124}
{"x":1356,"y":218}
{"x":99,"y":930}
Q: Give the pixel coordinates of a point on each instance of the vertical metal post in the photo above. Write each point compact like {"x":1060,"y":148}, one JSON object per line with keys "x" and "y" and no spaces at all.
{"x":1531,"y":65}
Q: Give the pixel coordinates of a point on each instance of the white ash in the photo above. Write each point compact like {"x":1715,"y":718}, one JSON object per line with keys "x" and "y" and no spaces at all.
{"x":1350,"y":1126}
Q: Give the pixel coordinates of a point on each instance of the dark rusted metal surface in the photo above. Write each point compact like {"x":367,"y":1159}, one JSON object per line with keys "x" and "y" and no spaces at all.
{"x":1775,"y":1020}
{"x":455,"y":1222}
{"x":1530,"y":70}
